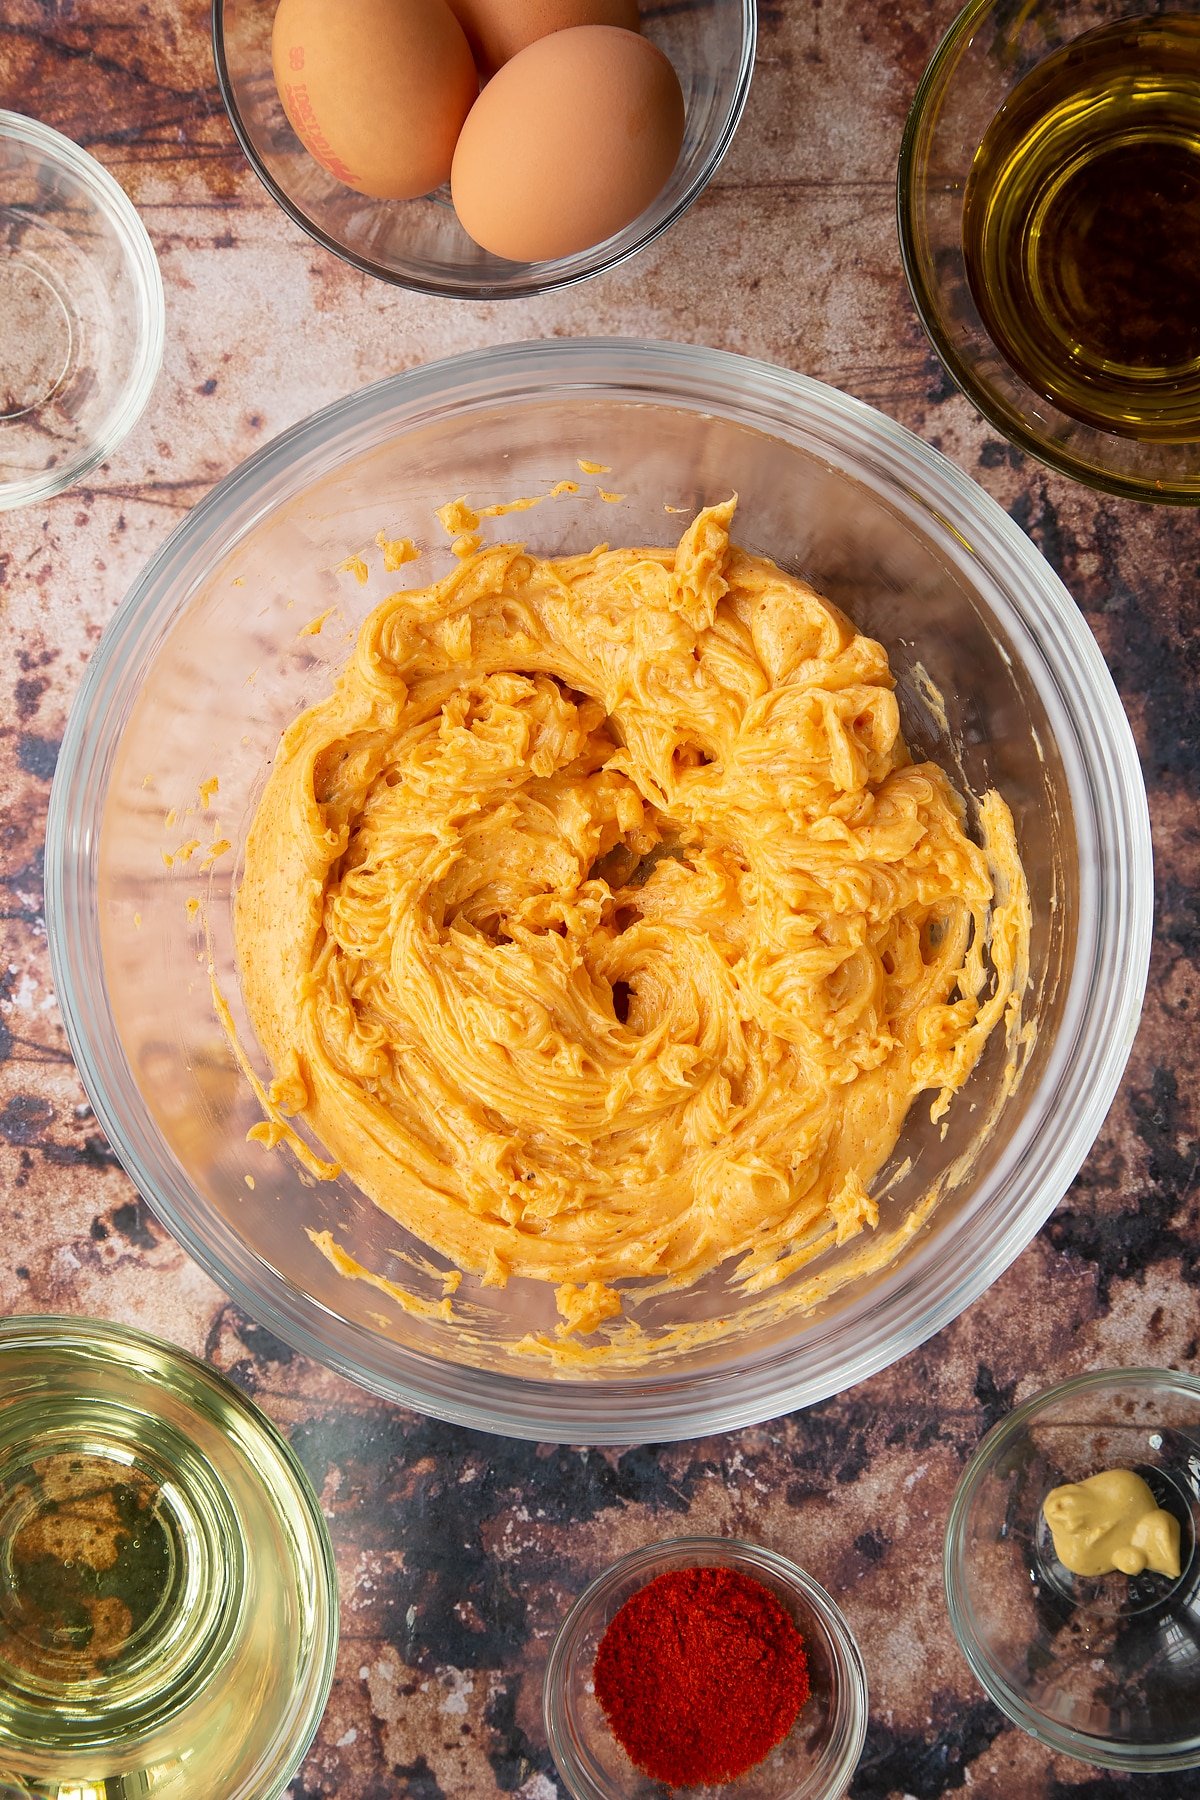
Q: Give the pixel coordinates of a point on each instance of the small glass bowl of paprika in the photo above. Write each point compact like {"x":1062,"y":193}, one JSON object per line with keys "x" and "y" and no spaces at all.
{"x":738,"y":1673}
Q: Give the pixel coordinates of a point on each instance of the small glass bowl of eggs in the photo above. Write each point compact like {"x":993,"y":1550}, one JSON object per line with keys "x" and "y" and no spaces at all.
{"x":484,"y":148}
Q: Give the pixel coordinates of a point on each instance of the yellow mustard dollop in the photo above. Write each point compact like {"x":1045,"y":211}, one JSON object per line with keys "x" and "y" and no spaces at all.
{"x":600,"y":925}
{"x":1110,"y":1522}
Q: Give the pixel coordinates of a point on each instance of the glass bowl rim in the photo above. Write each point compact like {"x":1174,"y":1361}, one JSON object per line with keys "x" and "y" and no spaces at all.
{"x":739,"y":1553}
{"x":669,"y":1404}
{"x":1007,"y":423}
{"x":111,"y":200}
{"x":91,"y":1335}
{"x":1061,"y":1738}
{"x":533,"y":285}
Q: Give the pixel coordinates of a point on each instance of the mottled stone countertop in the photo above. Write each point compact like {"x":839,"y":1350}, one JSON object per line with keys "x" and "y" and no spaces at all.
{"x":457,"y":1552}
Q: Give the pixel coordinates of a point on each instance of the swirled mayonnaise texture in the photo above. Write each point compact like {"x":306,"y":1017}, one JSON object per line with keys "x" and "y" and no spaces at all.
{"x":601,"y":926}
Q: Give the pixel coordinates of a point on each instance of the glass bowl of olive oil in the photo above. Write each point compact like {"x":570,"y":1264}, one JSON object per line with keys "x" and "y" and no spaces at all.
{"x":168,"y":1602}
{"x":1049,"y":210}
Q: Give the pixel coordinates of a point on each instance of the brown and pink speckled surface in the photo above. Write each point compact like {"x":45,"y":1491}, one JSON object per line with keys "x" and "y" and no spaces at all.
{"x":459,"y":1553}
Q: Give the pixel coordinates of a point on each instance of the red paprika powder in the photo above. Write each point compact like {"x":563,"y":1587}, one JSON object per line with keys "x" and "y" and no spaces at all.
{"x":700,"y":1674}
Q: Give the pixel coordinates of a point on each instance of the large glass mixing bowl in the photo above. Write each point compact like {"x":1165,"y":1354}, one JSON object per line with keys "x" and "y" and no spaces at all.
{"x":206,"y":661}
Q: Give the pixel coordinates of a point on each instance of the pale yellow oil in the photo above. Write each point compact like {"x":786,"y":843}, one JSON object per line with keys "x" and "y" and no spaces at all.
{"x":160,"y":1588}
{"x":1081,"y":228}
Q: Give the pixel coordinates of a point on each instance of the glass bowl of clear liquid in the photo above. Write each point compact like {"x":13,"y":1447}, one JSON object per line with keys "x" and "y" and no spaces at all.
{"x":81,"y":313}
{"x":168,"y":1601}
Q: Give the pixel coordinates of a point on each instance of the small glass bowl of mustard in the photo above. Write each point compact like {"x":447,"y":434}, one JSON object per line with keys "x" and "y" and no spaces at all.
{"x":817,"y":1758}
{"x":1105,"y":1667}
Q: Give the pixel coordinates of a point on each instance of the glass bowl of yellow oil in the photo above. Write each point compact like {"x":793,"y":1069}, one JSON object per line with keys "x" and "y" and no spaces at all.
{"x":1049,"y":210}
{"x":168,"y":1602}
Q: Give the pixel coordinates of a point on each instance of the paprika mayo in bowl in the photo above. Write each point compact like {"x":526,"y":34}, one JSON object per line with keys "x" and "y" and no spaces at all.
{"x":389,"y":506}
{"x":646,"y":1690}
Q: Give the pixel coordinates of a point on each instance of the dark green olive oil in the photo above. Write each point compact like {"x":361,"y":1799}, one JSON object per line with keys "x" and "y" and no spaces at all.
{"x":1081,"y":228}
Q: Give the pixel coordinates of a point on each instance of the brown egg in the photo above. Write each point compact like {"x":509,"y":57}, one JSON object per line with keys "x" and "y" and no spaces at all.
{"x":567,"y":143}
{"x":497,"y":29}
{"x":376,"y":90}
